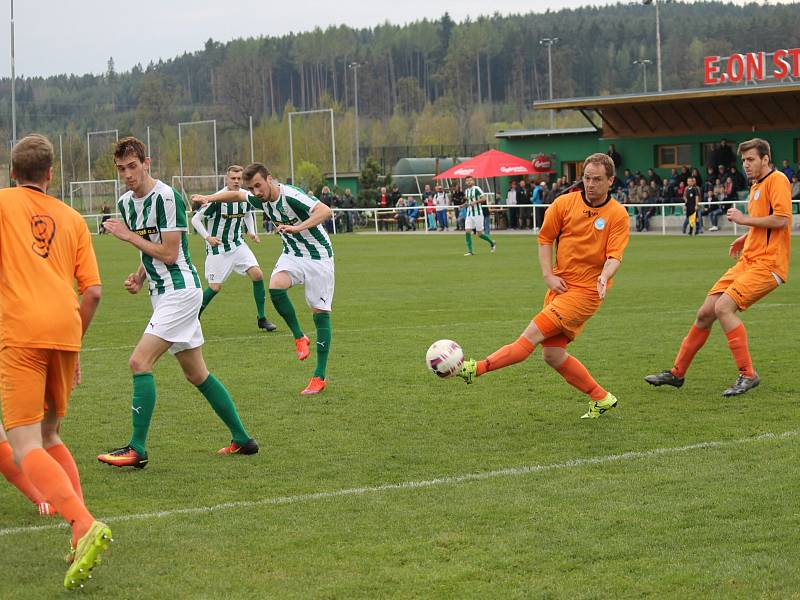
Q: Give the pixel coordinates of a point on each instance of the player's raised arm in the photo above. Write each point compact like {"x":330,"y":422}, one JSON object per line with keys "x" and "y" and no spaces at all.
{"x":222,"y":196}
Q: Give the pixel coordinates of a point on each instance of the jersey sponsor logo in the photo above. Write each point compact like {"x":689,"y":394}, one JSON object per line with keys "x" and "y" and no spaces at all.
{"x":590,"y":213}
{"x":43,"y":228}
{"x":234,"y":216}
{"x":146,"y":231}
{"x":599,"y":223}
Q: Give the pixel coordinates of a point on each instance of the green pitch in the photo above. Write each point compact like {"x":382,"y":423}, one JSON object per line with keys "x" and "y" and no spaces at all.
{"x":393,"y":483}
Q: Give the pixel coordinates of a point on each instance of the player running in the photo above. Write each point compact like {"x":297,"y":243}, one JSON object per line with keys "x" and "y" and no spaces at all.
{"x":45,"y":248}
{"x":474,"y":198}
{"x":154,"y":221}
{"x":307,"y":258}
{"x":226,"y":251}
{"x":590,"y":230}
{"x":763,"y":265}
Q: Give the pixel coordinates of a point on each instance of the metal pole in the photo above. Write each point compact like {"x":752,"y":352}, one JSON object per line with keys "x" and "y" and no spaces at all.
{"x":180,"y":159}
{"x":252,"y":153}
{"x":549,"y":42}
{"x":149,"y":153}
{"x":658,"y":45}
{"x":333,"y":147}
{"x":291,"y":149}
{"x":89,"y":154}
{"x":355,"y":66}
{"x":13,"y":85}
{"x":216,"y":164}
{"x":61,"y":160}
{"x":644,"y":75}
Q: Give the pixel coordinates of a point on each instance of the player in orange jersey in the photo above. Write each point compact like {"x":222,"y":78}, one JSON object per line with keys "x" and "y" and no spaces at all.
{"x":17,"y":478}
{"x":590,"y":230}
{"x":762,"y":266}
{"x":45,"y":247}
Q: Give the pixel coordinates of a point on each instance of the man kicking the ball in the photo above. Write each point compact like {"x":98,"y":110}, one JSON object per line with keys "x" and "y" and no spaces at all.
{"x":590,"y":230}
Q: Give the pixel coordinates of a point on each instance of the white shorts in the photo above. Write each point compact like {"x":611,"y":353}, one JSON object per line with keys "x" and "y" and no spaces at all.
{"x":315,"y":275}
{"x":474,"y":222}
{"x":220,"y":266}
{"x":175,"y":319}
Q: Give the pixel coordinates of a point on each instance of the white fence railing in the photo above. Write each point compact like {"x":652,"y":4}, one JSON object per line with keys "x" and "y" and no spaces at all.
{"x":380,"y":219}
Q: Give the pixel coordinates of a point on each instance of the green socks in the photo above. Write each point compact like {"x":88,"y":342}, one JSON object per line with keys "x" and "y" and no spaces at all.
{"x":222,"y":403}
{"x":208,"y":296}
{"x":489,"y":240}
{"x":282,"y":304}
{"x":142,"y":405}
{"x":260,"y":294}
{"x":324,"y":333}
{"x":469,"y":242}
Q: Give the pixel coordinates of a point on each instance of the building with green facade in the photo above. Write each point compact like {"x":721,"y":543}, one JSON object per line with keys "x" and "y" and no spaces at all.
{"x":666,"y":130}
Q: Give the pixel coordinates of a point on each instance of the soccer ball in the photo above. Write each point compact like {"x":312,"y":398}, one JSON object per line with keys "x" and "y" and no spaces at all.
{"x":444,"y":358}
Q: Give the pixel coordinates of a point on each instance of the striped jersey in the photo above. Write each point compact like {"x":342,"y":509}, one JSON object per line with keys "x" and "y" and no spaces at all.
{"x":473,"y":194}
{"x":161,"y":211}
{"x":225,"y":221}
{"x":293,"y":206}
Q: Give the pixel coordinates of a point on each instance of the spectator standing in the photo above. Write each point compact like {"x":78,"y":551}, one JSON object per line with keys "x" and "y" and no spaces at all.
{"x":382,"y":203}
{"x":691,"y":198}
{"x":440,"y":202}
{"x":460,"y":213}
{"x":725,"y":155}
{"x":511,"y":203}
{"x":524,"y":199}
{"x":328,"y":200}
{"x":430,"y":212}
{"x":349,"y":202}
{"x":787,"y":170}
{"x":395,"y":194}
{"x":653,"y":176}
{"x":717,"y":210}
{"x":795,"y":187}
{"x":615,"y":157}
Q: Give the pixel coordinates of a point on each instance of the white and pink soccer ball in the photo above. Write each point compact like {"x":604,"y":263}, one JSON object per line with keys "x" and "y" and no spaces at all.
{"x":444,"y":358}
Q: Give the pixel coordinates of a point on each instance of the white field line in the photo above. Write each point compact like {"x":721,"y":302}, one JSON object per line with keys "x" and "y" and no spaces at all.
{"x":422,"y":484}
{"x":425,"y":326}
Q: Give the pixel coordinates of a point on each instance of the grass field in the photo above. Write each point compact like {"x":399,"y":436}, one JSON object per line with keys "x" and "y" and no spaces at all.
{"x":396,"y":484}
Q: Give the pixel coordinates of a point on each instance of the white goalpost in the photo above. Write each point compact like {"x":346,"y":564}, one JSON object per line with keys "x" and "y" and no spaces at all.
{"x":199,"y":181}
{"x":291,"y":140}
{"x":90,"y":161}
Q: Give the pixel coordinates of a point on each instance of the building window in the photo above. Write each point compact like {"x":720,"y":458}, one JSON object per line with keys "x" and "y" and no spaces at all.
{"x":572,"y":169}
{"x":673,"y":155}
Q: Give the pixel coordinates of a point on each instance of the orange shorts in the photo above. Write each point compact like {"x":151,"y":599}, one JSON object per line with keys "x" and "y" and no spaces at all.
{"x":564,"y":315}
{"x":32,"y":377}
{"x":746,"y":284}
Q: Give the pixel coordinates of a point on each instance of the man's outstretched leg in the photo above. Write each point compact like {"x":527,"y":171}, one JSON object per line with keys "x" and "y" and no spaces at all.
{"x":260,"y":297}
{"x":217,"y":395}
{"x":694,"y":340}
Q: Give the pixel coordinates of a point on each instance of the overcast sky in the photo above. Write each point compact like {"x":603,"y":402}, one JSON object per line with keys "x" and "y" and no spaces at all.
{"x":78,"y":36}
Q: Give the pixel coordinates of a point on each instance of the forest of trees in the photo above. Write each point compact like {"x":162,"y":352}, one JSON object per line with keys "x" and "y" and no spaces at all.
{"x":431,"y":82}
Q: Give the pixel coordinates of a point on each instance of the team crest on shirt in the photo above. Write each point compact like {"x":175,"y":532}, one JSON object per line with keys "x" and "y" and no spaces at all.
{"x":757,"y":195}
{"x":599,"y":223}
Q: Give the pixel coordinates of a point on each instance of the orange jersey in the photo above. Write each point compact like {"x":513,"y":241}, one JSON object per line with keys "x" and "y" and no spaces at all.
{"x":45,"y":246}
{"x":770,"y":195}
{"x":585,"y":237}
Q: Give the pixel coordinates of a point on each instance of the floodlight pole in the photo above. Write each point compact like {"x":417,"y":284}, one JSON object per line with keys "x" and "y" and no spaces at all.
{"x":549,"y":43}
{"x":61,"y":160}
{"x":354,"y":66}
{"x":643,"y":63}
{"x":658,"y":40}
{"x":13,"y":85}
{"x":252,"y":153}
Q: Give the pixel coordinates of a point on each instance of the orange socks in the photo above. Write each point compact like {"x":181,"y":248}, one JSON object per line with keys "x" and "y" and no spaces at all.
{"x":575,"y":374}
{"x":507,"y":355}
{"x":11,"y":471}
{"x":64,"y":458}
{"x":691,"y":344}
{"x":737,"y":342}
{"x":48,"y":477}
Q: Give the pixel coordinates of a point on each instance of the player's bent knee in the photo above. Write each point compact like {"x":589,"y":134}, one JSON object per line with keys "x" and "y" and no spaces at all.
{"x":215,"y":286}
{"x":139,"y":365}
{"x":554,"y":356}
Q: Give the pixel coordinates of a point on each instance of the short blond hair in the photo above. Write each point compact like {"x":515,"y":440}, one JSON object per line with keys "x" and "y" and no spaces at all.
{"x":235,"y":169}
{"x":598,"y":158}
{"x":761,"y":146}
{"x":31,"y":158}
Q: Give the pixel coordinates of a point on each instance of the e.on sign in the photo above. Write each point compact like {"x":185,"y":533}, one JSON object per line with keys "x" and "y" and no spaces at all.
{"x":752,"y":66}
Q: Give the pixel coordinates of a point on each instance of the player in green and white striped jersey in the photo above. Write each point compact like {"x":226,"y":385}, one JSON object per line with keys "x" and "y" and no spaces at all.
{"x":154,"y":221}
{"x":307,"y":258}
{"x":473,"y":198}
{"x":222,"y":225}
